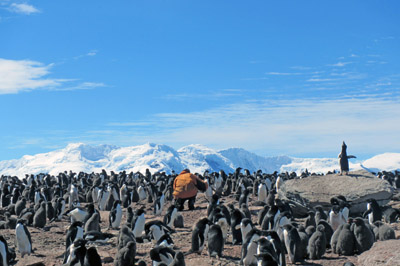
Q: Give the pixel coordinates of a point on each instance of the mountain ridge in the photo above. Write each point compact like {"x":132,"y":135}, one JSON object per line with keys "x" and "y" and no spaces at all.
{"x":159,"y":157}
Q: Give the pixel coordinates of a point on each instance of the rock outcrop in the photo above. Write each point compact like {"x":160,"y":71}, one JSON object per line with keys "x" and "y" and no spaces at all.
{"x":381,"y":253}
{"x":357,"y":187}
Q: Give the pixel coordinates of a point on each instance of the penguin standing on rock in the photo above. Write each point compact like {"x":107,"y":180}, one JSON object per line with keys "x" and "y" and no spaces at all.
{"x":344,"y":160}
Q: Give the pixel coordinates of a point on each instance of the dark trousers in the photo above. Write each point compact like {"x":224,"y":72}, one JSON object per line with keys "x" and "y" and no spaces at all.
{"x":180,"y":202}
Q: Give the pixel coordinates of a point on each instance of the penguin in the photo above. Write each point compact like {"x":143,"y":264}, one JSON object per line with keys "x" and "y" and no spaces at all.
{"x":4,"y":254}
{"x":320,"y":214}
{"x":11,"y":222}
{"x":159,"y":203}
{"x":236,"y":219}
{"x":165,"y":241}
{"x":390,"y":215}
{"x":20,"y":205}
{"x":220,"y":219}
{"x":328,"y":232}
{"x":335,"y":237}
{"x":373,"y":211}
{"x":215,"y":241}
{"x":344,"y":160}
{"x":179,"y":259}
{"x":310,"y":220}
{"x":199,"y":235}
{"x":50,"y":213}
{"x":335,"y":217}
{"x":170,"y":216}
{"x":244,"y":197}
{"x":39,"y":219}
{"x":271,"y":216}
{"x":249,"y":248}
{"x":262,"y":193}
{"x":292,"y":242}
{"x":266,"y":253}
{"x":126,"y":255}
{"x":125,"y":236}
{"x":317,"y":243}
{"x":261,"y":214}
{"x":346,"y":242}
{"x":364,"y":236}
{"x":138,"y":223}
{"x":75,"y":231}
{"x":245,"y":210}
{"x":23,"y":239}
{"x":77,"y":214}
{"x":75,"y":254}
{"x":102,"y":198}
{"x":383,"y":231}
{"x":245,"y":227}
{"x":93,"y":223}
{"x":209,"y":193}
{"x":304,"y":242}
{"x":92,"y":258}
{"x":162,"y":255}
{"x":115,"y":215}
{"x":60,"y":208}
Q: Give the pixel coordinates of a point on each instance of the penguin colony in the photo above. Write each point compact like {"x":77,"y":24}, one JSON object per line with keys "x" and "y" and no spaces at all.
{"x":272,"y":236}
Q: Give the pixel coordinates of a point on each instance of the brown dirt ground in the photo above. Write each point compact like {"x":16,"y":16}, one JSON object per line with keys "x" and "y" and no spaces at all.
{"x":49,"y":244}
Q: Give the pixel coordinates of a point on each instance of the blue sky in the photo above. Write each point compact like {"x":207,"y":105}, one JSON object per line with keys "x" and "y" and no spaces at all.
{"x":273,"y":77}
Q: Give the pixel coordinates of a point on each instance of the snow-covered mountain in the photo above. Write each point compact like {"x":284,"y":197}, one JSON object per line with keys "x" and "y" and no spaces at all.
{"x":156,"y":157}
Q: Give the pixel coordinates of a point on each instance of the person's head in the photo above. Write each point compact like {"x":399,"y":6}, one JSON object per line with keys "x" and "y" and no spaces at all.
{"x":186,"y":170}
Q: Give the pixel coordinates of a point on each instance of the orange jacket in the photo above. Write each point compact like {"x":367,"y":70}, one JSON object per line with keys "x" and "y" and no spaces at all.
{"x":185,"y":185}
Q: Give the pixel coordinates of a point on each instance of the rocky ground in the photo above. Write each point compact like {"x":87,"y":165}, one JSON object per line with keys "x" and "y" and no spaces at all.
{"x":49,"y":244}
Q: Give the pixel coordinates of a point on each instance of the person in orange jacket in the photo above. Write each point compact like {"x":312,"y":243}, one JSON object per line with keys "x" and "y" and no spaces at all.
{"x":185,"y":188}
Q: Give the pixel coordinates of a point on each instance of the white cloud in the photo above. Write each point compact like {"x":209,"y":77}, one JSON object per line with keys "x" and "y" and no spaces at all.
{"x":23,"y":8}
{"x":281,"y":74}
{"x":27,"y":75}
{"x":340,"y":64}
{"x":319,"y":80}
{"x":284,"y":126}
{"x":22,"y":75}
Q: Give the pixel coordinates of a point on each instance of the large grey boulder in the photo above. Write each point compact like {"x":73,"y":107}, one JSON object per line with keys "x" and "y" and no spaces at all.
{"x":381,"y":253}
{"x":357,"y":187}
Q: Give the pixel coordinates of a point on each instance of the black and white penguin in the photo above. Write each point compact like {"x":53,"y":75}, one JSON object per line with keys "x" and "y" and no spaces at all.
{"x":4,"y":254}
{"x":344,"y":160}
{"x":199,"y":235}
{"x":261,"y":214}
{"x":161,"y":255}
{"x":138,"y":223}
{"x":165,"y":241}
{"x":292,"y":242}
{"x":156,"y":229}
{"x":373,"y":211}
{"x":75,"y":231}
{"x":245,"y":227}
{"x":115,"y":215}
{"x":179,"y":259}
{"x":244,"y":197}
{"x":249,"y":248}
{"x":77,"y":214}
{"x":39,"y":219}
{"x":126,"y":255}
{"x":159,"y":203}
{"x":75,"y":254}
{"x":215,"y":241}
{"x":266,"y":254}
{"x":60,"y":208}
{"x":336,"y":218}
{"x":170,"y":216}
{"x":23,"y":239}
{"x":104,"y":194}
{"x":390,"y":215}
{"x":346,"y":241}
{"x":236,"y":219}
{"x":317,"y":243}
{"x":220,"y":219}
{"x":92,"y":258}
{"x":262,"y":192}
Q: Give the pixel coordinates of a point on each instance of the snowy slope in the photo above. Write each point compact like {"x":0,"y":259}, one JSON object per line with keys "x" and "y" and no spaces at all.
{"x":156,"y":157}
